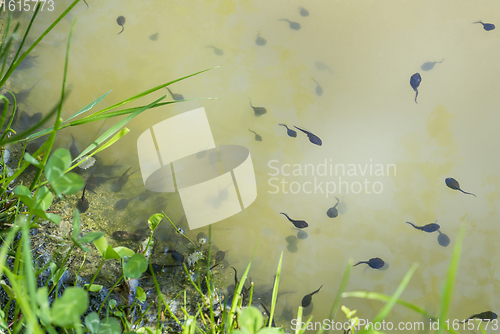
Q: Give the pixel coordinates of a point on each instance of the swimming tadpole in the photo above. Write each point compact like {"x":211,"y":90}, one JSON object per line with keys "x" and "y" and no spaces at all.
{"x":260,"y":41}
{"x":322,"y":66}
{"x":296,"y":223}
{"x":258,"y":111}
{"x":220,"y":255}
{"x":121,"y":22}
{"x":312,"y":137}
{"x":415,"y":82}
{"x":293,"y":25}
{"x":118,"y":184}
{"x":289,"y":132}
{"x":72,"y":149}
{"x":303,"y":12}
{"x":432,"y":227}
{"x":257,"y":136}
{"x":306,"y":301}
{"x":486,"y":26}
{"x":375,"y":263}
{"x":319,"y":89}
{"x":217,"y":51}
{"x":453,"y":184}
{"x":333,"y":212}
{"x":485,"y":316}
{"x":122,"y":203}
{"x":83,"y":204}
{"x":427,"y":66}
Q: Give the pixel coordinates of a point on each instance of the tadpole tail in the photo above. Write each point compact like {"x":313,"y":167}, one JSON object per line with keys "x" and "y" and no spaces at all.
{"x":416,"y":90}
{"x":86,"y":4}
{"x":467,"y":193}
{"x":285,"y":215}
{"x":411,"y":224}
{"x":123,"y":28}
{"x":359,"y":263}
{"x":83,"y":195}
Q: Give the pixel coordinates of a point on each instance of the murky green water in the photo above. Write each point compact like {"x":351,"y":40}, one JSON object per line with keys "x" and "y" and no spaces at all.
{"x":365,"y":116}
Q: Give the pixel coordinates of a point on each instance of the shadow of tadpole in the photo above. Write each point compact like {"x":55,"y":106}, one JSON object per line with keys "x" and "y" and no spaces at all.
{"x":308,"y":310}
{"x":292,"y":244}
{"x":302,"y":234}
{"x":443,"y":239}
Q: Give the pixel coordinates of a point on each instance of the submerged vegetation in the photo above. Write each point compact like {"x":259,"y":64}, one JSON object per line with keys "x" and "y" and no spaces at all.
{"x":44,"y":293}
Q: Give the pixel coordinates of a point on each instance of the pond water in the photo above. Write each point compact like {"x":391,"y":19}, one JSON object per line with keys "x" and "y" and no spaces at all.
{"x":345,"y":77}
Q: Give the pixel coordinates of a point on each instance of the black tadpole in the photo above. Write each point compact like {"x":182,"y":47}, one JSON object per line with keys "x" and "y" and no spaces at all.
{"x":375,"y":263}
{"x":415,"y":82}
{"x":297,"y":223}
{"x":289,"y":132}
{"x":453,"y":184}
{"x":83,"y":204}
{"x":306,"y":301}
{"x":121,"y":21}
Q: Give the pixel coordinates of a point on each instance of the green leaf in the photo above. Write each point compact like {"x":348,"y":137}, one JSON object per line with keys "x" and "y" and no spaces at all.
{"x":31,"y":160}
{"x":8,"y":289}
{"x":154,"y":220}
{"x":42,"y":300}
{"x":94,"y":287}
{"x":24,"y":195}
{"x":250,"y":320}
{"x":124,"y":251}
{"x":92,"y":322}
{"x":110,"y":326}
{"x":43,"y":199}
{"x":69,"y":183}
{"x":101,"y":244}
{"x":3,"y":324}
{"x":110,"y":254}
{"x":135,"y":266}
{"x":112,"y":303}
{"x":52,"y":217}
{"x":141,"y":295}
{"x":76,"y":225}
{"x":90,"y":237}
{"x":58,"y":163}
{"x":70,"y":307}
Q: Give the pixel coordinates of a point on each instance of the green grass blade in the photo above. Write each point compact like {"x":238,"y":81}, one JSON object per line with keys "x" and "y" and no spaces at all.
{"x":275,"y":290}
{"x":29,"y":276}
{"x":338,"y":297}
{"x":115,"y":128}
{"x":238,"y":290}
{"x":22,"y":135}
{"x":386,"y":298}
{"x":450,"y":280}
{"x":388,"y":307}
{"x":110,"y":142}
{"x":149,"y":91}
{"x":37,"y":9}
{"x":16,"y":64}
{"x":111,"y":114}
{"x":81,"y":111}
